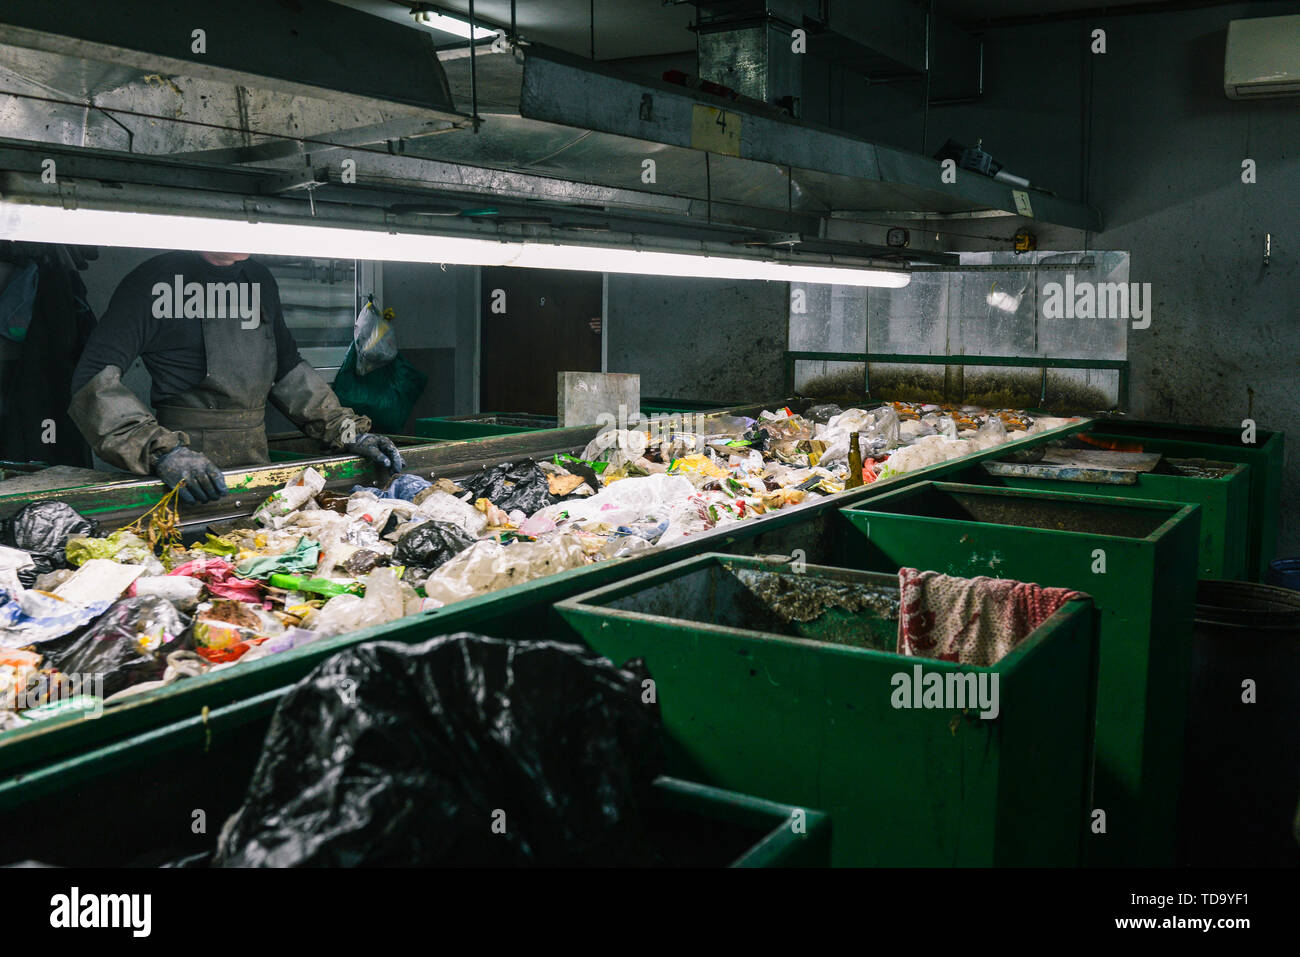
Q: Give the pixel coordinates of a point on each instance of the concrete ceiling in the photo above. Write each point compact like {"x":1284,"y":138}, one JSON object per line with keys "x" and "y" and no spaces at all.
{"x":639,"y":28}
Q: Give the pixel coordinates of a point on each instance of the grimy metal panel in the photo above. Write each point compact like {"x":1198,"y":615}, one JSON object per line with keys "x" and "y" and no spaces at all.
{"x":309,"y":48}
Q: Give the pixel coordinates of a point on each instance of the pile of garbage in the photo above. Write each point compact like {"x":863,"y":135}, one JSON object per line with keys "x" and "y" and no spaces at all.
{"x":87,"y":617}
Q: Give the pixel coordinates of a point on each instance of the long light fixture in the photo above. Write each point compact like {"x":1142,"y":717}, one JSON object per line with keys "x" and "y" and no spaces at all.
{"x":449,"y":24}
{"x":98,"y":227}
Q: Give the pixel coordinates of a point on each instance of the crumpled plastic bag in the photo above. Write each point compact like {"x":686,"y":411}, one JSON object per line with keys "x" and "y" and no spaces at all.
{"x":878,"y":431}
{"x":303,"y":557}
{"x":42,"y":529}
{"x":444,"y":507}
{"x":390,"y":754}
{"x":821,"y":414}
{"x":488,"y":565}
{"x":404,"y":486}
{"x":279,"y":507}
{"x":121,"y":546}
{"x":432,"y":544}
{"x":181,"y":590}
{"x":626,"y":502}
{"x":226,"y":629}
{"x":14,"y":561}
{"x":182,"y":663}
{"x":518,"y":485}
{"x":127,"y":645}
{"x":383,"y":602}
{"x":29,"y":617}
{"x":373,"y":338}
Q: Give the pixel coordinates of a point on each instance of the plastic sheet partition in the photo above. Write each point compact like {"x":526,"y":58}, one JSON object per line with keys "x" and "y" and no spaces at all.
{"x":986,"y":316}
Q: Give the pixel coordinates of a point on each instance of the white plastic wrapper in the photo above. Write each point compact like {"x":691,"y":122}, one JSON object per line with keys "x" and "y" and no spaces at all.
{"x":278,"y":509}
{"x":181,"y":590}
{"x":489,"y":565}
{"x":445,"y":507}
{"x":629,"y":500}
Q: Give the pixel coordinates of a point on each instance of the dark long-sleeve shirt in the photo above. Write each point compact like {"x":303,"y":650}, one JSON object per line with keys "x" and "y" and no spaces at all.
{"x":172,"y":349}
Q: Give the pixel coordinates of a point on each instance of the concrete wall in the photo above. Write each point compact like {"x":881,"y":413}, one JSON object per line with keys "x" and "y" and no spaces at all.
{"x":698,"y":338}
{"x":1145,"y":133}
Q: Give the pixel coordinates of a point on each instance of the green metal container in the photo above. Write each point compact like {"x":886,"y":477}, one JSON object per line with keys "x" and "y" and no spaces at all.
{"x":806,"y":710}
{"x":1221,"y":489}
{"x":1265,"y":458}
{"x":482,"y":425}
{"x":1137,"y":559}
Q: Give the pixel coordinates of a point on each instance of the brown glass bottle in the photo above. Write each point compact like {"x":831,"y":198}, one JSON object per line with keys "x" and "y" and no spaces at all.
{"x":855,"y":463}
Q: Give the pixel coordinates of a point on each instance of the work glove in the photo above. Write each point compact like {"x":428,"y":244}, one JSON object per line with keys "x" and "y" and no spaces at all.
{"x":203,"y":480}
{"x":379,"y":449}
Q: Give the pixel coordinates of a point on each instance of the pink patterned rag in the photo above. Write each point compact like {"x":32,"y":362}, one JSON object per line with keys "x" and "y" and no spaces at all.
{"x":219,"y":576}
{"x":974,"y":621}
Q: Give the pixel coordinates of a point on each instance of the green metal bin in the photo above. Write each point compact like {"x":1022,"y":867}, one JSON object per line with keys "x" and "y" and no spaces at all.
{"x":1221,"y":489}
{"x":1265,"y":458}
{"x":805,"y":710}
{"x":482,"y":425}
{"x":1137,"y":559}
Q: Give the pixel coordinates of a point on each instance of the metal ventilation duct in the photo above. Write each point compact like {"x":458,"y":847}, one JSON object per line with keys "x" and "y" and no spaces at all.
{"x":290,"y":99}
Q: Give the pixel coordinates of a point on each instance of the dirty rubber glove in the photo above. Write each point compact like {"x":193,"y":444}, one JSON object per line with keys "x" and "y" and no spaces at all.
{"x":203,"y":480}
{"x":379,"y":449}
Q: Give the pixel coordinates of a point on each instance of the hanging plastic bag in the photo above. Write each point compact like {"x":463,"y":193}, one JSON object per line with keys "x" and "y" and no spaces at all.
{"x":373,"y":337}
{"x":386,"y":395}
{"x":395,"y":754}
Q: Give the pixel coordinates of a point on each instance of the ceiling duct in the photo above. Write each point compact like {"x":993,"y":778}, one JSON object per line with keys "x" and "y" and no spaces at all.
{"x":305,"y":90}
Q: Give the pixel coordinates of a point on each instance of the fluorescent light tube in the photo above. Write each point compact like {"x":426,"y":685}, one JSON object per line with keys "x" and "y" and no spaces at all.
{"x":452,"y":25}
{"x":95,"y":227}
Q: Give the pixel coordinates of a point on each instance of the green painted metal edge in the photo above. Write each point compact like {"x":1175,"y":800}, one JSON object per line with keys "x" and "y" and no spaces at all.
{"x":781,"y":846}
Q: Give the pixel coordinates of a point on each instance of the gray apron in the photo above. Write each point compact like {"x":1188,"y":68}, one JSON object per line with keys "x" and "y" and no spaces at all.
{"x":225,"y":414}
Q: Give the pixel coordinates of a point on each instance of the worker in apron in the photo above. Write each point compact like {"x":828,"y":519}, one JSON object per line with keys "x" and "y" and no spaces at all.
{"x":210,"y":331}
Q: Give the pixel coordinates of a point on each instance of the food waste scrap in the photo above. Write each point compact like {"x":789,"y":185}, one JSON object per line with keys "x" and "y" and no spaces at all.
{"x":87,"y":618}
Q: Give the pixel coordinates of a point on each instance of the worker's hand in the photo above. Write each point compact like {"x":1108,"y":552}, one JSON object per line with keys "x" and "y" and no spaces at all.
{"x":203,"y":480}
{"x":379,"y":449}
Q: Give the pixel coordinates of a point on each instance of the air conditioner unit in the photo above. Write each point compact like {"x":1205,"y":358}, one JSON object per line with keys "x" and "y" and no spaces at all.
{"x":1262,"y":58}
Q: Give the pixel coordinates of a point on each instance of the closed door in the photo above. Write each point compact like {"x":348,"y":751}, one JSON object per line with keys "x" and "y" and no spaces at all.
{"x":535,"y":324}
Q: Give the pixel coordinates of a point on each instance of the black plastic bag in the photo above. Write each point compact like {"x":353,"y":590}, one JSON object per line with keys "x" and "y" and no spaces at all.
{"x":463,"y":750}
{"x":432,"y":544}
{"x":127,"y":644}
{"x":517,"y":485}
{"x":43,"y":529}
